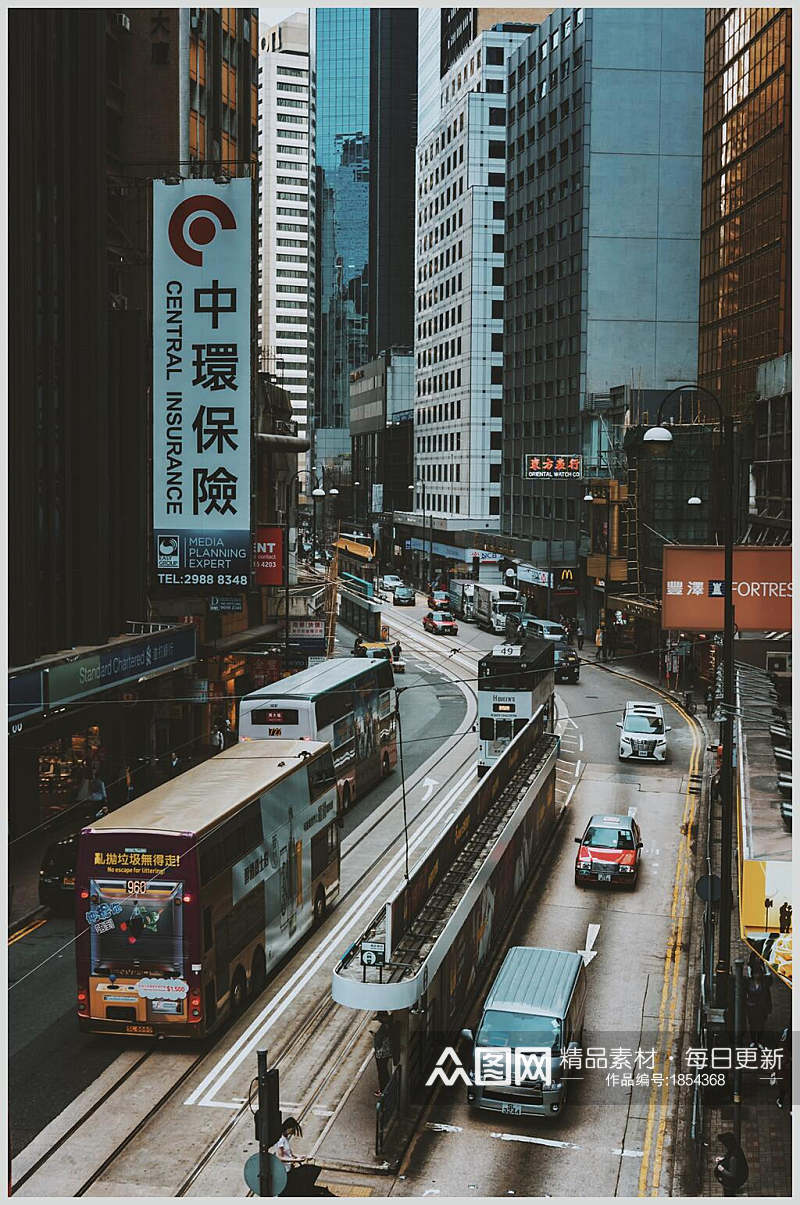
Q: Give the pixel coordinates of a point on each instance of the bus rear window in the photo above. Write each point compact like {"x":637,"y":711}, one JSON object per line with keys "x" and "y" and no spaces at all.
{"x":136,"y":923}
{"x":275,"y":715}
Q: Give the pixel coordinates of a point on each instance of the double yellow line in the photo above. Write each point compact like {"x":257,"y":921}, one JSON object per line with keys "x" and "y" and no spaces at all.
{"x":20,"y":933}
{"x":658,"y":1111}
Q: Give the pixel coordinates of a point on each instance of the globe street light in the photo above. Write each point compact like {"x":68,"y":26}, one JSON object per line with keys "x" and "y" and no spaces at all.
{"x":660,"y":434}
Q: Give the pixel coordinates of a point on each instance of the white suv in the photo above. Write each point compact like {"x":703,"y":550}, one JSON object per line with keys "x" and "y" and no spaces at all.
{"x":643,"y":732}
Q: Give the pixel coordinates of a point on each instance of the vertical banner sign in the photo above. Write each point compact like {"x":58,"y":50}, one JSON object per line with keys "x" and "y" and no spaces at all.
{"x":201,"y":383}
{"x":269,"y":556}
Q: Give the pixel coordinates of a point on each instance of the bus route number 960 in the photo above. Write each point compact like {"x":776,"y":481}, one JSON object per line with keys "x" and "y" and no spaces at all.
{"x":136,"y":886}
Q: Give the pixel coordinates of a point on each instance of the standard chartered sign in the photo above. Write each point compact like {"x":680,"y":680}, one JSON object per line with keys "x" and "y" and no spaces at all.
{"x":117,"y":664}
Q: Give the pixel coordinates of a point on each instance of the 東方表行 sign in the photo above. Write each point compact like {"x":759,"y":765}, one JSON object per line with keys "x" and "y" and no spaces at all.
{"x":551,"y":464}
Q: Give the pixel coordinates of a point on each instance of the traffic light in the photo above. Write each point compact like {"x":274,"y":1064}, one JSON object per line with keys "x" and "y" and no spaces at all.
{"x":268,"y":1120}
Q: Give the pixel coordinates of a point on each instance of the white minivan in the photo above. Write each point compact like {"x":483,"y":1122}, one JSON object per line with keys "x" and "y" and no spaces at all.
{"x":643,"y":733}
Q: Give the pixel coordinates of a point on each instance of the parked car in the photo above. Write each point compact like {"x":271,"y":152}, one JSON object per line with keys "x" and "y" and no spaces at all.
{"x":57,"y":874}
{"x":566,"y":663}
{"x":390,"y":582}
{"x":404,"y":596}
{"x":643,"y":733}
{"x":608,"y":851}
{"x":441,"y":623}
{"x":439,"y":600}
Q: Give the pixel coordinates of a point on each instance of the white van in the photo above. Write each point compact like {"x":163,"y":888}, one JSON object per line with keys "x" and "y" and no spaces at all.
{"x":643,"y":733}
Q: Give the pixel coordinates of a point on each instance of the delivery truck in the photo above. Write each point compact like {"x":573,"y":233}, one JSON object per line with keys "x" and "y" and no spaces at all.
{"x":492,"y":605}
{"x":462,"y":598}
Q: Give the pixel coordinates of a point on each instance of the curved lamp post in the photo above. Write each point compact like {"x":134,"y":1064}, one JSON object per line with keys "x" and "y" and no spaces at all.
{"x":660,"y":434}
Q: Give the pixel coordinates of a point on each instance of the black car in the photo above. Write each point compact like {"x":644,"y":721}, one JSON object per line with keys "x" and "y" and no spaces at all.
{"x":404,"y":596}
{"x":57,"y":874}
{"x":566,"y":663}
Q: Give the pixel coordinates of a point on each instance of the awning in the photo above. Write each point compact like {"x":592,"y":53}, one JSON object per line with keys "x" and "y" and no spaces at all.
{"x":642,"y":608}
{"x":229,"y":644}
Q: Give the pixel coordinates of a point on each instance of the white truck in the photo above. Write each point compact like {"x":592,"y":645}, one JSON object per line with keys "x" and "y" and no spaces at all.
{"x":493,"y":604}
{"x":462,"y":598}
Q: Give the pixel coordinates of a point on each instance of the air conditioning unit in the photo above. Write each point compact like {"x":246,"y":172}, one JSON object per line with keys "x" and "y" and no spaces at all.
{"x":123,"y":20}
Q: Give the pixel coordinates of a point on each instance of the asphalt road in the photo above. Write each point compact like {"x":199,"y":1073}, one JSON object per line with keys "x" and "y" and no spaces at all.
{"x":50,"y":1062}
{"x":608,"y":1137}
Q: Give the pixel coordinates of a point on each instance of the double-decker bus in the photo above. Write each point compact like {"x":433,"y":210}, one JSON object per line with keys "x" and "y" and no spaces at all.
{"x":188,"y":896}
{"x":348,"y":702}
{"x":515,"y":683}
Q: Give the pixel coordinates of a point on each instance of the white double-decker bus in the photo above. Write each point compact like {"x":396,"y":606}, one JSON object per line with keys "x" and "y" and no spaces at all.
{"x":515,"y":682}
{"x":348,"y":702}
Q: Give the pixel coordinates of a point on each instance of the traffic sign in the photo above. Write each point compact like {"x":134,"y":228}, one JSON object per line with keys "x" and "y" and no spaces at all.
{"x":279,"y":1177}
{"x":373,"y":953}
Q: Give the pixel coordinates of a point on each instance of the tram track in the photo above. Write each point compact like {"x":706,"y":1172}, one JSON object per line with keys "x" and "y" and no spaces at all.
{"x":315,"y":1019}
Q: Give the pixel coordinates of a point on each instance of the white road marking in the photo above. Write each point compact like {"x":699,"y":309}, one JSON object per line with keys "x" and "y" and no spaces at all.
{"x":632,"y":811}
{"x":627,"y":1154}
{"x":591,"y":937}
{"x":580,"y":741}
{"x":429,"y":786}
{"x":578,"y":765}
{"x":573,"y":1146}
{"x":571,"y":793}
{"x":267,"y":1017}
{"x":441,"y":1128}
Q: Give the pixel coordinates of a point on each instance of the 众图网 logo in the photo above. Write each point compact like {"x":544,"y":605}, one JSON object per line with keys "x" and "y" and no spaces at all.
{"x":499,"y":1065}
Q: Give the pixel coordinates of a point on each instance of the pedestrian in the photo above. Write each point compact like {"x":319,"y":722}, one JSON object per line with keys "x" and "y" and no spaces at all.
{"x":174,"y":763}
{"x":358,"y":646}
{"x":382,"y":1045}
{"x":397,"y":650}
{"x":757,"y":1005}
{"x":710,"y":701}
{"x":290,"y":1129}
{"x":217,"y":740}
{"x":785,"y":917}
{"x":228,"y":735}
{"x":97,"y":790}
{"x":731,"y":1168}
{"x":128,"y":782}
{"x":599,"y":642}
{"x":785,"y":1069}
{"x":611,"y":642}
{"x":579,"y":635}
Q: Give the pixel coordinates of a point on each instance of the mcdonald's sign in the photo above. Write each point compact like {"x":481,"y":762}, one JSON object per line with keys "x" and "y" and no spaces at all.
{"x":565,"y":580}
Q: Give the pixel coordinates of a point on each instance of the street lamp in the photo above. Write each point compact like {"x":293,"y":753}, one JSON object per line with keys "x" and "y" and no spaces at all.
{"x":356,"y":487}
{"x":589,"y":497}
{"x":661,"y":435}
{"x":694,"y":501}
{"x":422,"y":493}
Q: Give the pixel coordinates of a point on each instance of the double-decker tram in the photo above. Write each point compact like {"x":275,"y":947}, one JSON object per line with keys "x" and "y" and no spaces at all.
{"x":188,"y":896}
{"x":348,"y":702}
{"x":515,"y":685}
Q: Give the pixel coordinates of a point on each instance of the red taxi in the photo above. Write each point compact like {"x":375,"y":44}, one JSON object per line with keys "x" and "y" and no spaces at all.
{"x":439,"y":600}
{"x":609,"y":851}
{"x":441,"y":624}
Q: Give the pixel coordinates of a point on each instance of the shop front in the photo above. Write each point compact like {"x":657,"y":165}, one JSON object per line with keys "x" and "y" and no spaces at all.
{"x":94,"y":721}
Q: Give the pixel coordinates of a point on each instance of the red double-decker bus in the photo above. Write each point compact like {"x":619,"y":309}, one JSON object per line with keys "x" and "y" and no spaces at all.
{"x":187,"y":897}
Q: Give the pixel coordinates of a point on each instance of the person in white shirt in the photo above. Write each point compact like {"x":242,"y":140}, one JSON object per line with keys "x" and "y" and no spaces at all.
{"x":283,"y":1147}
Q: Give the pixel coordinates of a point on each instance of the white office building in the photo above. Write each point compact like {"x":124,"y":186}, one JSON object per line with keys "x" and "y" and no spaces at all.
{"x":286,"y":269}
{"x":460,"y":227}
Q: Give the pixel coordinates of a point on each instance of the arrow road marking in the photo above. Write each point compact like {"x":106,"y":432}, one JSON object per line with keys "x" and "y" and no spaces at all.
{"x":429,"y":786}
{"x":591,"y":937}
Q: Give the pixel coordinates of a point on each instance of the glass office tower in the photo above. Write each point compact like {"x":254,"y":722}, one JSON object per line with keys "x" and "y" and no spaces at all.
{"x":342,"y":51}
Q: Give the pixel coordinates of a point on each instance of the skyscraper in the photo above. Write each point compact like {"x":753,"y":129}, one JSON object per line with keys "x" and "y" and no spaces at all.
{"x":745,"y":266}
{"x":341,"y":55}
{"x":286,"y":203}
{"x":459,"y":286}
{"x":602,"y":234}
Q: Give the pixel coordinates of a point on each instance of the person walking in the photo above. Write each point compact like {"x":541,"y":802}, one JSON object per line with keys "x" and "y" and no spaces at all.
{"x":757,"y":1005}
{"x":710,"y":701}
{"x":599,"y":643}
{"x":579,"y":635}
{"x":397,"y":650}
{"x":382,"y":1046}
{"x":731,"y":1168}
{"x":217,"y":740}
{"x":98,"y":797}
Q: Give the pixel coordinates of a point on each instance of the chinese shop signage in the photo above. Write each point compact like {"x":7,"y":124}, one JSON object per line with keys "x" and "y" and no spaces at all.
{"x":125,"y":661}
{"x":694,"y":588}
{"x":201,"y":383}
{"x":551,"y":464}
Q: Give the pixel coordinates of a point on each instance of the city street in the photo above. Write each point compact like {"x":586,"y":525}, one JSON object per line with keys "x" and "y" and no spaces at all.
{"x":322,"y":1051}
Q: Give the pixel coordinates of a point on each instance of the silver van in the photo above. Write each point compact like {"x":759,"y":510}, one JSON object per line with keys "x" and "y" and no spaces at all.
{"x":522,"y":626}
{"x":537,"y":1000}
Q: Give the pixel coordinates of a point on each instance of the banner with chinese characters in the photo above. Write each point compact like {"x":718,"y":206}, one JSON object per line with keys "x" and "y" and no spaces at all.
{"x":694,"y":588}
{"x":551,"y":464}
{"x":201,"y":384}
